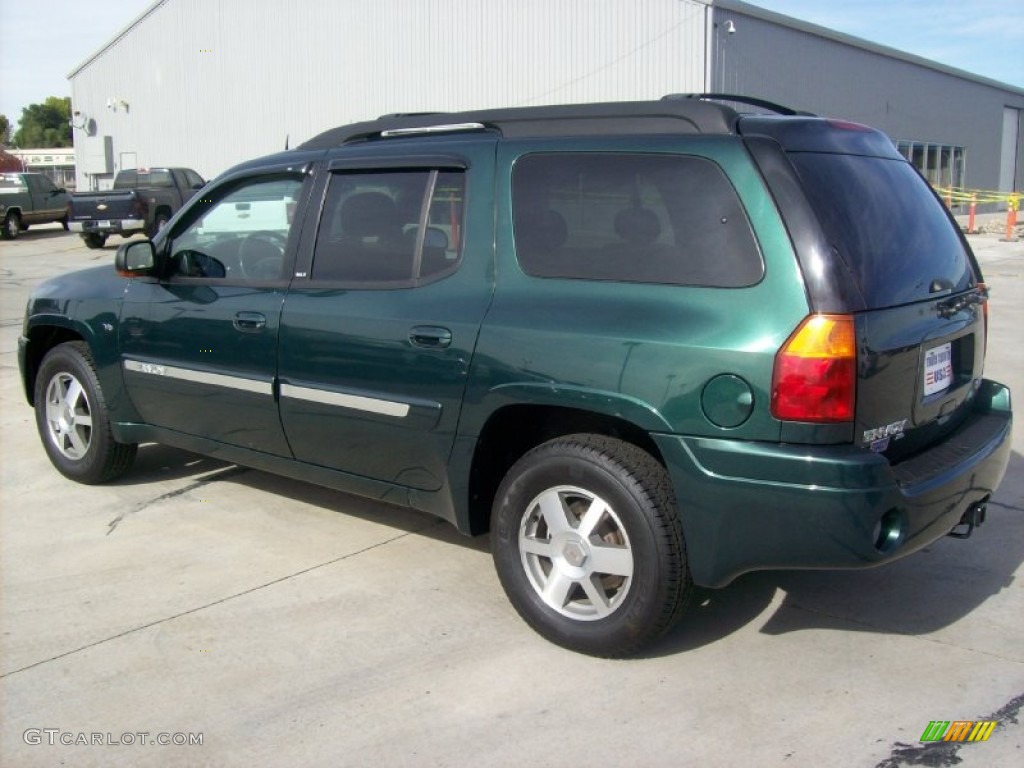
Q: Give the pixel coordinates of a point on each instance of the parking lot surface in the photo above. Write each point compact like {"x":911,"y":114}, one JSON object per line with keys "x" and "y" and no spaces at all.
{"x":284,"y":624}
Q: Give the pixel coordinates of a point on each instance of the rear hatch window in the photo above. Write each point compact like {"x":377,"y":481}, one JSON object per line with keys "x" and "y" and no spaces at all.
{"x":886,"y":225}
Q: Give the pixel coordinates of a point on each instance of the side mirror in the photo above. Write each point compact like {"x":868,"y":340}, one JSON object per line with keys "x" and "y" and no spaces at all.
{"x":198,"y":185}
{"x":135,"y":258}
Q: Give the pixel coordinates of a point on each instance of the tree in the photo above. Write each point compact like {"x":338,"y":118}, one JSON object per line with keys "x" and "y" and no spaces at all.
{"x":45,"y":125}
{"x":5,"y":130}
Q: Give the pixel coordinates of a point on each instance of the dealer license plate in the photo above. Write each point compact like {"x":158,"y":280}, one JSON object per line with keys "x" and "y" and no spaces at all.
{"x":103,"y":225}
{"x":938,"y":369}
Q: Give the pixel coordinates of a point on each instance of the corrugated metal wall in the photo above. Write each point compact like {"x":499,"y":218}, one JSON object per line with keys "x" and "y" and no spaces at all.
{"x":212,"y":82}
{"x":829,"y":77}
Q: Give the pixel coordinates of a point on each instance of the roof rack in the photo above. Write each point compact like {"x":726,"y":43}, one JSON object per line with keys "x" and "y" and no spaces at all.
{"x":673,"y":114}
{"x":771,"y":106}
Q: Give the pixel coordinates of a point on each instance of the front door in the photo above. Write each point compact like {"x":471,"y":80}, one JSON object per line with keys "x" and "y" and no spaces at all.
{"x":199,"y":345}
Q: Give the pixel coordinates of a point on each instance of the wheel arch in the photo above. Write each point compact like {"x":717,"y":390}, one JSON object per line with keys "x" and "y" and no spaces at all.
{"x":43,"y":335}
{"x":511,"y":431}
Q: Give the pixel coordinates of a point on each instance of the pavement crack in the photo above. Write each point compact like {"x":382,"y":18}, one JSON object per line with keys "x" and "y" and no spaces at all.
{"x":940,"y":754}
{"x":222,"y":600}
{"x":213,"y":477}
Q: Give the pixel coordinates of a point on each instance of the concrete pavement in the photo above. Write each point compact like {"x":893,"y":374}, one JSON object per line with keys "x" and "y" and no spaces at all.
{"x":285,"y":624}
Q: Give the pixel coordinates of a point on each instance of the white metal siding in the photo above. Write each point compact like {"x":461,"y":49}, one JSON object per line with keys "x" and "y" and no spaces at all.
{"x":212,"y":82}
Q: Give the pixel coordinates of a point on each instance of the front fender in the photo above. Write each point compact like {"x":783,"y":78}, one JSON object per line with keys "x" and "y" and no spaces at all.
{"x":82,"y":306}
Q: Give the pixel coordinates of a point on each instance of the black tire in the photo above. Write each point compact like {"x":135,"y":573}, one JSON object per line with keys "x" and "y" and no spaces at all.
{"x":11,"y":226}
{"x":64,"y":223}
{"x":92,"y":240}
{"x":634,"y":527}
{"x":73,"y":420}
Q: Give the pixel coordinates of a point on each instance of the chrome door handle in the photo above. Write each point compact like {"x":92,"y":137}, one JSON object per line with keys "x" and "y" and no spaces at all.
{"x":250,"y":321}
{"x":430,"y":337}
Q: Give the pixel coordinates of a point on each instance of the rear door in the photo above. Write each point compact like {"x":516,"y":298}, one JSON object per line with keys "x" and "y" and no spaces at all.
{"x":381,"y":321}
{"x":48,"y":202}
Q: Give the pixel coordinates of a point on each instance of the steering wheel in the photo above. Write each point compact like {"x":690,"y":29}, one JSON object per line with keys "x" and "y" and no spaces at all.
{"x":261,"y":254}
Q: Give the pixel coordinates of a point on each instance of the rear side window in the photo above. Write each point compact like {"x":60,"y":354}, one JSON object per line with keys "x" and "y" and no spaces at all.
{"x":390,"y":228}
{"x":884,"y":222}
{"x":144,"y":178}
{"x":631,"y":218}
{"x":12,"y":183}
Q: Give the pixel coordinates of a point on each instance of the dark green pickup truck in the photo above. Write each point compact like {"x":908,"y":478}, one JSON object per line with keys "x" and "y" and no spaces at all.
{"x":646,"y":345}
{"x":30,"y":198}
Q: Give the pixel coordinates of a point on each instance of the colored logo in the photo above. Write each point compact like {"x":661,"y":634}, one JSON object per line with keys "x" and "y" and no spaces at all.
{"x":958,"y":730}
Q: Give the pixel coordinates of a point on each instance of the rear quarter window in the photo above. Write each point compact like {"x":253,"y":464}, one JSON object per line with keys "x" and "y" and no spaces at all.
{"x":631,"y":218}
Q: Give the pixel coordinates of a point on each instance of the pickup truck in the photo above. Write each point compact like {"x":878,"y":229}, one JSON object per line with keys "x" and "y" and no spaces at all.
{"x":142,"y":200}
{"x":30,"y":198}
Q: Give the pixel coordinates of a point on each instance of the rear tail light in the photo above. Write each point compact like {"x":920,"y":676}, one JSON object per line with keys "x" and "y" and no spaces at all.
{"x":815,"y":376}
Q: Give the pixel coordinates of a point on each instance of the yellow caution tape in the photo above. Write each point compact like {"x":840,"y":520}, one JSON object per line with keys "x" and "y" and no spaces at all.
{"x":961,"y":195}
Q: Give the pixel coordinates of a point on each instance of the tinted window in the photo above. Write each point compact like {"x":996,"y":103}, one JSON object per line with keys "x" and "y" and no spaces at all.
{"x":631,"y":218}
{"x":144,"y":178}
{"x":397,"y":227}
{"x":12,"y":183}
{"x":239,"y":232}
{"x":884,"y":222}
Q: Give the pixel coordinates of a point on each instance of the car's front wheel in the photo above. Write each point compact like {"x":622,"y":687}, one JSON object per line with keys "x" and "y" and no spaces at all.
{"x":588,"y":545}
{"x":72,"y":417}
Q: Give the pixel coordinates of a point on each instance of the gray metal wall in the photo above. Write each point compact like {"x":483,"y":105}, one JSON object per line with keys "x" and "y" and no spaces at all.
{"x":830,"y":77}
{"x":209,"y":83}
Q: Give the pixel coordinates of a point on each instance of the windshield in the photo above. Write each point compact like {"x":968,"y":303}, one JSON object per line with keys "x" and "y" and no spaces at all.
{"x":884,"y":222}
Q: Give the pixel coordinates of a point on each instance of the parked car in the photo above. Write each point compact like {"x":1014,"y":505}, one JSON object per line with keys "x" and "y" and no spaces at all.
{"x":27,"y":199}
{"x":142,"y":200}
{"x":646,"y":345}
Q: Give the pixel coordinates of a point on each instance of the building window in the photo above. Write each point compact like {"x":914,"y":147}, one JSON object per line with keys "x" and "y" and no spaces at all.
{"x":941,"y":164}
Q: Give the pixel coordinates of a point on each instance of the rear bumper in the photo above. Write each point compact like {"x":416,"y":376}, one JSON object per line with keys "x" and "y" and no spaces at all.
{"x":113,"y":226}
{"x":751,"y":506}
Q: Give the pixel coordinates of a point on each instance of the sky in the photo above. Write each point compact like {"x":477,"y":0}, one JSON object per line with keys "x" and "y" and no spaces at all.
{"x":40,"y":45}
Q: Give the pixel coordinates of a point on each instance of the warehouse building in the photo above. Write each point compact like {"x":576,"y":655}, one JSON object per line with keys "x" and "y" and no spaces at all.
{"x":209,"y":83}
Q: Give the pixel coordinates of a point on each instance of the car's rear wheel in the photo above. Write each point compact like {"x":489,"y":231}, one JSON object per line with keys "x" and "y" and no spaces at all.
{"x":11,"y":226}
{"x":73,"y":420}
{"x":588,"y":546}
{"x":92,"y":240}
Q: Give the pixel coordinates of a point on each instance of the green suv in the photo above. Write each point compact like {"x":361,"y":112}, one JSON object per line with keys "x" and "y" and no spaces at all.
{"x":646,"y":345}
